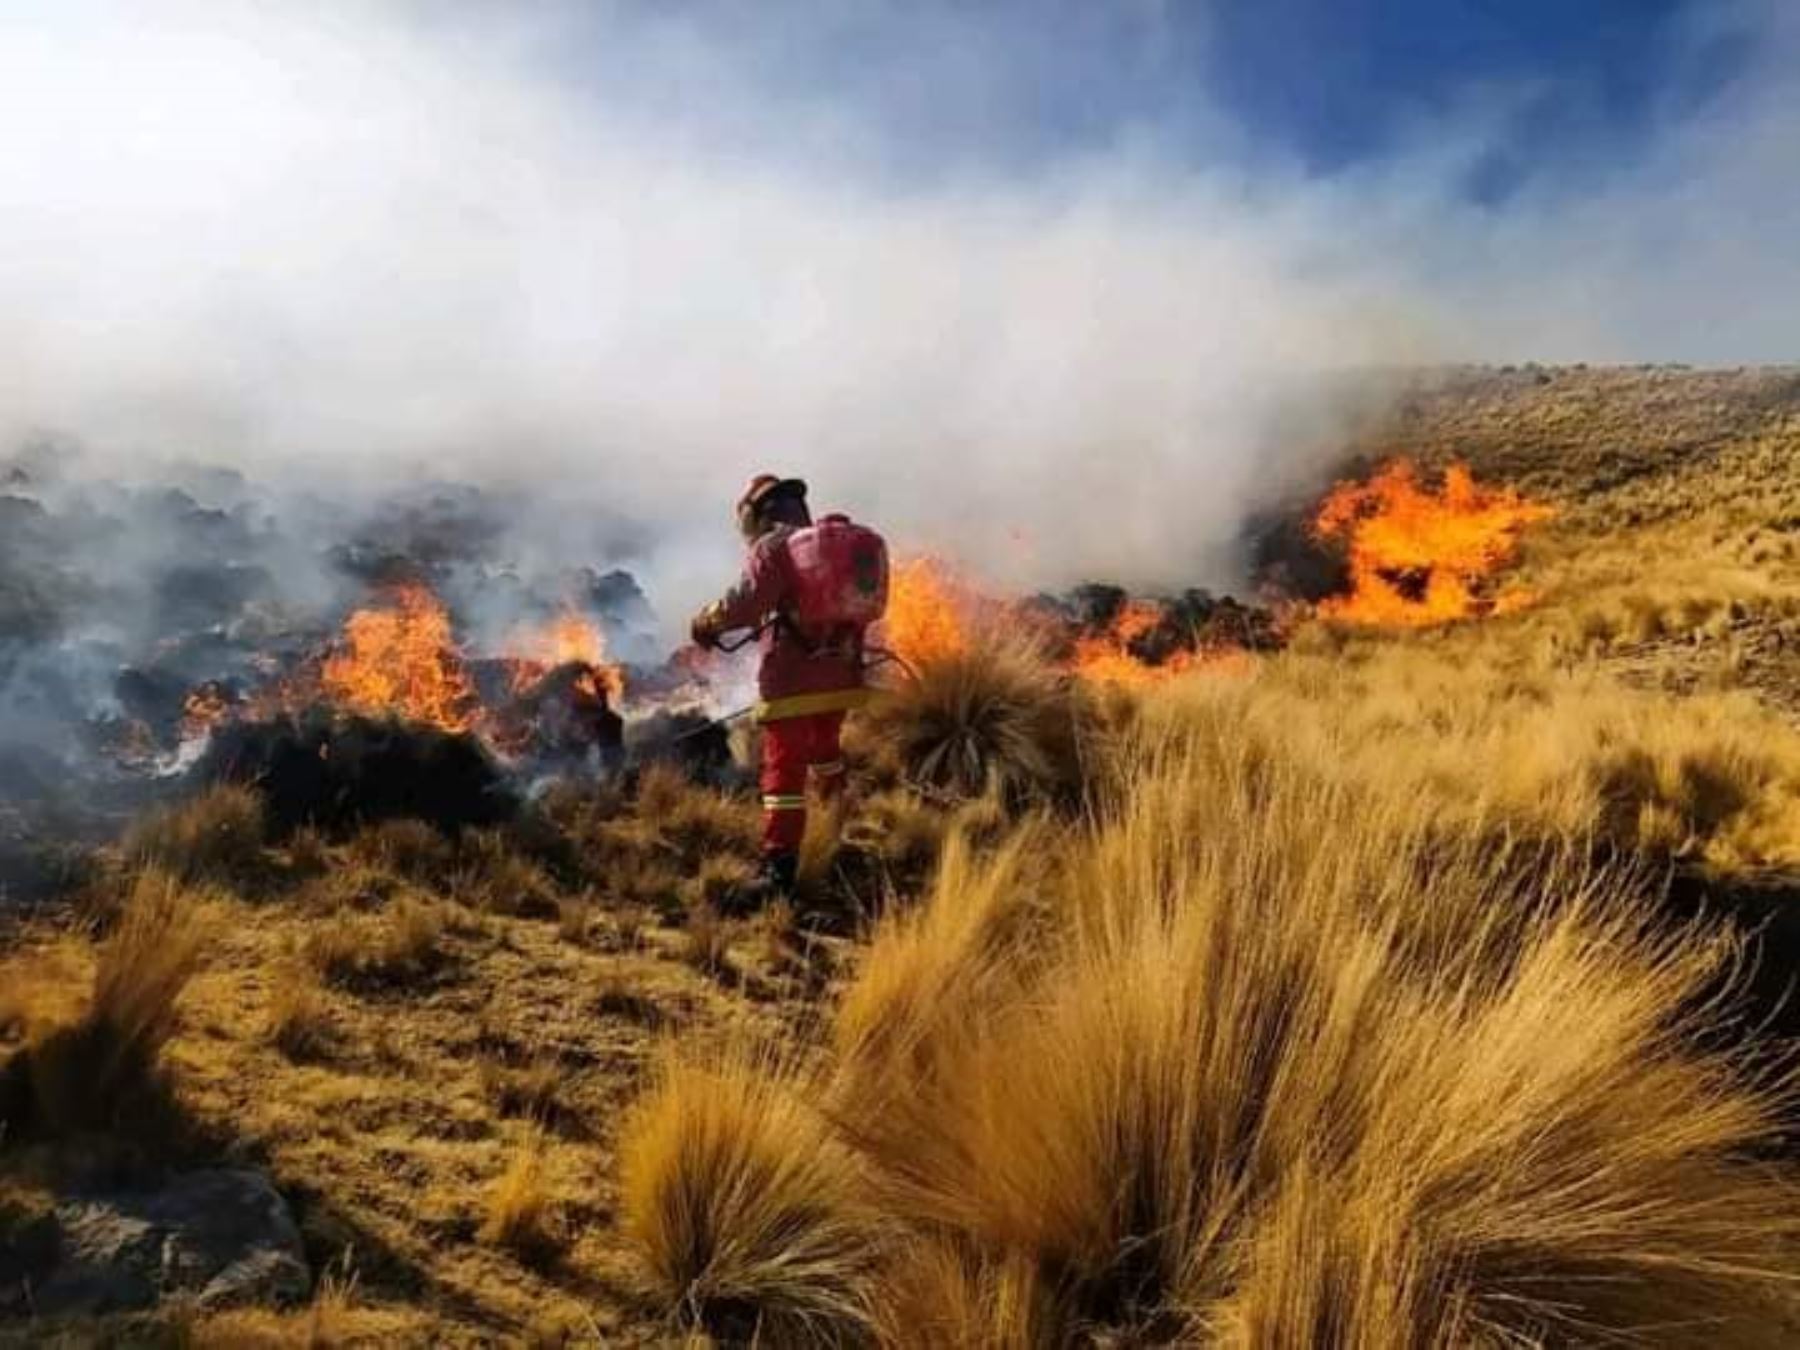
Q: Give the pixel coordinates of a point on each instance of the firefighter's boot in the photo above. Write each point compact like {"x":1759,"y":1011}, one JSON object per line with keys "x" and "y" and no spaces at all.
{"x":774,"y":880}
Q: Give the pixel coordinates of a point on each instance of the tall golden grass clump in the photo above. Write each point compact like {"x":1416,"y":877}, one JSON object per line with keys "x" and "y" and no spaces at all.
{"x":1267,"y":1057}
{"x":993,"y":717}
{"x":521,"y":1210}
{"x":753,"y":1217}
{"x":95,"y":1070}
{"x":964,"y":951}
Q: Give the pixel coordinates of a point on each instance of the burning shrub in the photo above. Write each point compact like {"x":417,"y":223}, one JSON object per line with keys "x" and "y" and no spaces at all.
{"x":398,"y":659}
{"x":1101,"y":634}
{"x":563,"y":714}
{"x":337,"y":771}
{"x":1104,"y":635}
{"x":1418,"y":557}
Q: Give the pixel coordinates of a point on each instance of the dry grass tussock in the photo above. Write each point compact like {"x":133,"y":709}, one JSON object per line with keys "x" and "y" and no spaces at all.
{"x":753,"y":1217}
{"x":403,"y":941}
{"x":101,"y":1065}
{"x":406,"y":848}
{"x":715,"y":881}
{"x":994,"y":718}
{"x":529,"y":1090}
{"x":300,"y":1024}
{"x":696,"y":822}
{"x":1481,"y":740}
{"x":1262,"y":1060}
{"x":521,"y":1207}
{"x":706,"y":939}
{"x":216,"y":836}
{"x":965,"y":949}
{"x":665,"y":844}
{"x":494,"y":876}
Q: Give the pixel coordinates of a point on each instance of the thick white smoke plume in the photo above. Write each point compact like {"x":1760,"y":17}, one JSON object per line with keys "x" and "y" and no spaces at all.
{"x":596,"y":256}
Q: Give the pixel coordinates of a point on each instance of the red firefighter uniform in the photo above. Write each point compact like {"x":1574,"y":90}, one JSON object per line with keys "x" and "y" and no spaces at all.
{"x":812,"y":589}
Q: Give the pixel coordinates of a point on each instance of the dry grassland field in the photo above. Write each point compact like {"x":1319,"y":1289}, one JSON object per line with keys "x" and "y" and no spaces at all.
{"x":1402,"y":959}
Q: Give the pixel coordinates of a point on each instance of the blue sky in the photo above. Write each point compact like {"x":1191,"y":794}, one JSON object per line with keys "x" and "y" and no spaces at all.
{"x":936,"y":88}
{"x":1589,"y":76}
{"x":1338,"y":79}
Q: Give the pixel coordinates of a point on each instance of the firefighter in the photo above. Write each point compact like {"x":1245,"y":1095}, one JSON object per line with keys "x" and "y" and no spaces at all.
{"x":810,"y":591}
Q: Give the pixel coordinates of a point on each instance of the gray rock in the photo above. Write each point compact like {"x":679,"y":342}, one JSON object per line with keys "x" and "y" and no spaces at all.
{"x":222,"y":1236}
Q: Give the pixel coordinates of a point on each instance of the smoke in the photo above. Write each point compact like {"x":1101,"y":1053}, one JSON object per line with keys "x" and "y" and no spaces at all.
{"x":611,"y":260}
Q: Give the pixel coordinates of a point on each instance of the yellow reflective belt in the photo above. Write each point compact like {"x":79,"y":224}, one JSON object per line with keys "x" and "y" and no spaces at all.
{"x":796,"y":802}
{"x":805,"y":705}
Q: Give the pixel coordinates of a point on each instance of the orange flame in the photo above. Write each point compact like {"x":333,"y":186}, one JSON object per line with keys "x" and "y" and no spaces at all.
{"x":1107,"y":657}
{"x":571,"y":636}
{"x":934,"y":613}
{"x":400,"y":658}
{"x":931,"y":612}
{"x":1419,"y":557}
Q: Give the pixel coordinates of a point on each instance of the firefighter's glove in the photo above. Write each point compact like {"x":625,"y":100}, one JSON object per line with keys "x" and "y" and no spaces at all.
{"x":705,"y":629}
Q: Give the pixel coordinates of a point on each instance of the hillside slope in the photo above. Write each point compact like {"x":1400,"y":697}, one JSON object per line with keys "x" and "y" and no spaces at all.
{"x":1674,"y":558}
{"x":1416,"y":865}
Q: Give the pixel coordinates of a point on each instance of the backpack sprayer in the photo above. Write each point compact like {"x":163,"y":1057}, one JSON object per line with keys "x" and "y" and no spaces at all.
{"x":840,"y":585}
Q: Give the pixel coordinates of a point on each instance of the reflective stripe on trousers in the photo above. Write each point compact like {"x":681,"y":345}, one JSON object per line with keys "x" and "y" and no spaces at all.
{"x":794,"y":750}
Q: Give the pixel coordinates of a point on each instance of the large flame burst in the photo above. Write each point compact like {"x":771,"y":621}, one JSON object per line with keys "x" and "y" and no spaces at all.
{"x":932,"y":611}
{"x":1419,"y":557}
{"x":401,"y":658}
